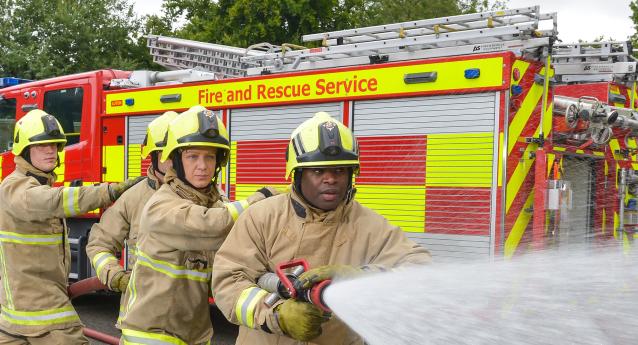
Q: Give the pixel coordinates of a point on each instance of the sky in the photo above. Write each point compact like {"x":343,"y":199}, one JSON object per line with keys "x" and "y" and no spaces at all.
{"x":577,"y":19}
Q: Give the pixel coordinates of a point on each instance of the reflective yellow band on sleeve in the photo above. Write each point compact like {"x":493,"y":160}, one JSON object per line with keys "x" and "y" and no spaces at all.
{"x":237,"y":207}
{"x":5,"y":278}
{"x":132,"y":291}
{"x":171,"y":270}
{"x":101,"y":259}
{"x":40,"y":318}
{"x":70,"y":201}
{"x":34,"y":240}
{"x":130,"y":336}
{"x":246,"y":305}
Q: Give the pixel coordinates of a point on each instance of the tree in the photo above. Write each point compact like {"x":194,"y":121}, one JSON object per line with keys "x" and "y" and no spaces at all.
{"x":58,"y":37}
{"x":245,"y":22}
{"x":633,"y":5}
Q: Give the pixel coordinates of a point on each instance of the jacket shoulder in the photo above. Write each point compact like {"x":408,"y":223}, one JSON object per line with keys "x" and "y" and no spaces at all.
{"x":139,"y":192}
{"x":17,"y":177}
{"x":268,"y":209}
{"x":360,"y":211}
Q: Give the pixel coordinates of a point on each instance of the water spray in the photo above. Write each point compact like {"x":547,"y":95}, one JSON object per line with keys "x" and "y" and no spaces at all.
{"x":287,"y":285}
{"x":573,"y":295}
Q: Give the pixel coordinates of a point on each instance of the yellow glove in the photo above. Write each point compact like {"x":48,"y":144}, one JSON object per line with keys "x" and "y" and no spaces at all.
{"x":263,"y":193}
{"x":300,"y":320}
{"x":117,"y":189}
{"x":120,"y":280}
{"x":316,"y":275}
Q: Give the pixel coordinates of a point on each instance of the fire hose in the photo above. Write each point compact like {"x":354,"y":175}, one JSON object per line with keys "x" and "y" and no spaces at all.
{"x":84,"y":287}
{"x":282,"y":285}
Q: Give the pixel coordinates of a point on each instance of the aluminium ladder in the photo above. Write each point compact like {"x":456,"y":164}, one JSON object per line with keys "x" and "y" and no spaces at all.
{"x":516,"y":30}
{"x":178,"y":54}
{"x":594,"y":62}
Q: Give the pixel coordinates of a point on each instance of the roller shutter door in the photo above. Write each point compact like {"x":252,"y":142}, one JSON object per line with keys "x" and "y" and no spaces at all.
{"x":427,"y":164}
{"x":135,"y":133}
{"x":259,"y":138}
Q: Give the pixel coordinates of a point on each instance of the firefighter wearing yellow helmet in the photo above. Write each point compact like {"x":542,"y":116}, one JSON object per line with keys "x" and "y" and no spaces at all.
{"x":319,"y":222}
{"x":36,"y":257}
{"x":182,"y":226}
{"x":120,"y":223}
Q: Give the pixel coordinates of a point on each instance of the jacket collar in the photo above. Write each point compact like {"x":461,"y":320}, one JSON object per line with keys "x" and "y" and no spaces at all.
{"x":204,"y":197}
{"x":152,"y":179}
{"x":26,"y":168}
{"x":312,"y":214}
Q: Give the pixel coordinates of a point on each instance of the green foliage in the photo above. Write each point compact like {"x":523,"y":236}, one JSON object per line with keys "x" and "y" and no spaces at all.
{"x":47,"y":38}
{"x":246,"y":22}
{"x":633,"y":5}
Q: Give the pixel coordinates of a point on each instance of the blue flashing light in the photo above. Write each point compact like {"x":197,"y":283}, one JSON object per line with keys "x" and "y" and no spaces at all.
{"x":11,"y":81}
{"x":472,"y":73}
{"x":129,"y":101}
{"x":516,"y":90}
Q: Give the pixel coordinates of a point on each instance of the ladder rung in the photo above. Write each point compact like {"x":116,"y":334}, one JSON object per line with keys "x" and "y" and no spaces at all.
{"x":458,"y":36}
{"x":417,"y":32}
{"x":421,"y":23}
{"x":454,"y":50}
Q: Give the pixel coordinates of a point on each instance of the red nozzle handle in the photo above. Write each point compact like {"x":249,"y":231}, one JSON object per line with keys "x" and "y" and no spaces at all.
{"x":284,"y":279}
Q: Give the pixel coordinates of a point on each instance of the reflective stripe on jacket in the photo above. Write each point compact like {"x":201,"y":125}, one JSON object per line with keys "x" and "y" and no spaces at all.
{"x":35,"y":256}
{"x":170,"y":284}
{"x":119,"y":223}
{"x":283,"y":228}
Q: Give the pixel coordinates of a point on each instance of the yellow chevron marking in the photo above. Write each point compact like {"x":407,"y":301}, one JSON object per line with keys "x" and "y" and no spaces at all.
{"x":547,"y":121}
{"x":613,"y":89}
{"x":519,"y":175}
{"x":550,"y":163}
{"x":523,"y":114}
{"x":522,"y":66}
{"x":514,"y":237}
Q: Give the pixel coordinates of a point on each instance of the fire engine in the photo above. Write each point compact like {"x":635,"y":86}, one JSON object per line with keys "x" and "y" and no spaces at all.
{"x":469,"y":140}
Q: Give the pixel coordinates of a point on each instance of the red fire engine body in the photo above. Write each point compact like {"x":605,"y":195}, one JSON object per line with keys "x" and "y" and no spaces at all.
{"x":456,"y":147}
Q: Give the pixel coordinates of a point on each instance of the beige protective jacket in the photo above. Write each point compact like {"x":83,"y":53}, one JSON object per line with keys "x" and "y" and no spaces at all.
{"x":35,"y":255}
{"x":180,"y":231}
{"x":284,"y":228}
{"x":120,"y":222}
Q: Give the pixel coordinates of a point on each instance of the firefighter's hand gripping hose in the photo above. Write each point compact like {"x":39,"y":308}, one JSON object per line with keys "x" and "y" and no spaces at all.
{"x":314,"y":276}
{"x":117,"y":189}
{"x":120,"y":281}
{"x":300,"y":320}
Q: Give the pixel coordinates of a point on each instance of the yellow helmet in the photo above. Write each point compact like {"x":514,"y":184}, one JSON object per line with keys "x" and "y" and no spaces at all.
{"x":320,"y":142}
{"x":197,"y":126}
{"x":156,"y":133}
{"x":37,"y":127}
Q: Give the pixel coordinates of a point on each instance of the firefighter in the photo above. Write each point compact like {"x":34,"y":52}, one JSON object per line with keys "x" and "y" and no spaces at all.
{"x":121,"y":221}
{"x":318,"y":221}
{"x":35,"y":257}
{"x":183,"y":224}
